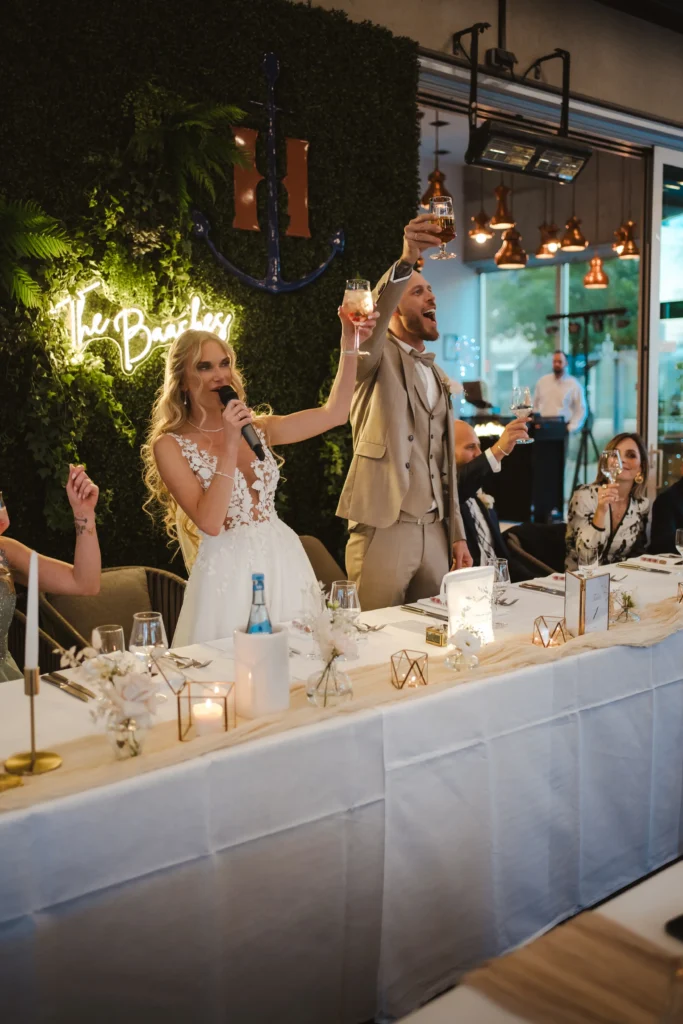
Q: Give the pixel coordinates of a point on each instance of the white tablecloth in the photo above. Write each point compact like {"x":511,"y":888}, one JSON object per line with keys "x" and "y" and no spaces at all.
{"x":349,"y":869}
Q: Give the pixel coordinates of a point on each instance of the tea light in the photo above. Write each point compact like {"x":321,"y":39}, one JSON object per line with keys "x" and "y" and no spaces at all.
{"x":208,"y":717}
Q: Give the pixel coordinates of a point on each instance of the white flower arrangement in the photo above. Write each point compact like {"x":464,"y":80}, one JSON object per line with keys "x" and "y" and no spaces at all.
{"x":466,"y":641}
{"x":127,"y":693}
{"x":486,"y":499}
{"x":335,"y":635}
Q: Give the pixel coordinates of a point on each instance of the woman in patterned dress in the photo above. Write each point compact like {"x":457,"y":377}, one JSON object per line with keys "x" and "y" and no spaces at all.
{"x":218,"y":498}
{"x":611,"y":519}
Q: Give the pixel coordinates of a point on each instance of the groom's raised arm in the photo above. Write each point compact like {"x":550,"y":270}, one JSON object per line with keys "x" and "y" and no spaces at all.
{"x":419,"y":234}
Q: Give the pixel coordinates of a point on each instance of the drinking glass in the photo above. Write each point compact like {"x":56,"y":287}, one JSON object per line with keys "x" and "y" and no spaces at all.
{"x":610,"y":466}
{"x":522,"y":406}
{"x":679,"y":542}
{"x":147,"y":633}
{"x":344,"y":596}
{"x":358,"y":305}
{"x":589,"y":562}
{"x":441,"y":209}
{"x":107,"y":639}
{"x":501,"y":579}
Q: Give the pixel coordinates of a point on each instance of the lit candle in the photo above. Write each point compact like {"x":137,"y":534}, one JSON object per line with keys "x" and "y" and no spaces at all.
{"x":208,"y":718}
{"x":31,"y":649}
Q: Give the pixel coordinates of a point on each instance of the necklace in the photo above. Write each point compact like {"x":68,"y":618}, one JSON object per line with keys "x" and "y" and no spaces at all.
{"x":204,"y":430}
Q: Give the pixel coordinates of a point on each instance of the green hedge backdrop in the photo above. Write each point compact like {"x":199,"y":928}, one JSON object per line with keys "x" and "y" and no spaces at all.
{"x":350,"y":89}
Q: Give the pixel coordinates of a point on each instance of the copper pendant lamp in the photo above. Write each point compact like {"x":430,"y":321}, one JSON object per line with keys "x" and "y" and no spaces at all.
{"x":596,"y":276}
{"x":480,"y":232}
{"x":511,"y":255}
{"x":629,"y":249}
{"x":502,"y":219}
{"x":573,"y":239}
{"x":618,"y":243}
{"x":550,"y":243}
{"x":437,"y":179}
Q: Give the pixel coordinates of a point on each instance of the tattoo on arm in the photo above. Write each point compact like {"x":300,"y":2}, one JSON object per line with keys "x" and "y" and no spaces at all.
{"x":81,"y":525}
{"x":402,"y":270}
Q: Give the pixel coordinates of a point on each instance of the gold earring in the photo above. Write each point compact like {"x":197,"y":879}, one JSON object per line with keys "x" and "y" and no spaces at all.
{"x":639,"y":478}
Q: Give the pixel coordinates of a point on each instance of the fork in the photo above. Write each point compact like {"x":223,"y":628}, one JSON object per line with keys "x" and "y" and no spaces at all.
{"x":507,"y":604}
{"x":363,"y":627}
{"x":182,"y":662}
{"x":618,"y":579}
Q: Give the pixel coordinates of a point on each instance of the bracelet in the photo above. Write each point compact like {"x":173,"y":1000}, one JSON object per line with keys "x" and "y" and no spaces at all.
{"x":349,"y":352}
{"x":501,"y":449}
{"x":600,"y":529}
{"x":217,"y":472}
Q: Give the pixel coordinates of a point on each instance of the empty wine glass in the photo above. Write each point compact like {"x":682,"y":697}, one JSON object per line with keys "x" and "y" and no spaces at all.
{"x":344,"y":598}
{"x":441,"y":209}
{"x":501,"y":579}
{"x":522,"y":406}
{"x":147,"y":633}
{"x":107,"y":639}
{"x":610,"y":465}
{"x":679,"y":542}
{"x":358,"y":305}
{"x":589,"y":561}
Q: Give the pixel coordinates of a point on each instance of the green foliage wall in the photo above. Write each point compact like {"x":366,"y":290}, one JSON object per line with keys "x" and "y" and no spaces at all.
{"x":350,"y":89}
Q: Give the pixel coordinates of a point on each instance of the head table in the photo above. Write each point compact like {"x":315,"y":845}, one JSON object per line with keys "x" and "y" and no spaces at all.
{"x":339,"y":867}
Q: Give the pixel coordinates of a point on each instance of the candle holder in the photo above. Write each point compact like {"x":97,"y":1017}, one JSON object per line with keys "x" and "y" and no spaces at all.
{"x":549,"y":631}
{"x":409,"y":669}
{"x":205,"y":707}
{"x":33,"y":762}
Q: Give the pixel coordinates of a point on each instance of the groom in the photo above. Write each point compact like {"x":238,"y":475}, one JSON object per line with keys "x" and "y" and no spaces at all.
{"x":400,"y":495}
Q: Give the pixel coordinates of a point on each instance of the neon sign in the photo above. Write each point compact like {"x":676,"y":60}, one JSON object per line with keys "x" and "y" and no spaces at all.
{"x":129,"y":328}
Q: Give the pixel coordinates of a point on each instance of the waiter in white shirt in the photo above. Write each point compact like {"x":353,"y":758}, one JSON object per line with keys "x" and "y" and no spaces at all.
{"x":560,"y":394}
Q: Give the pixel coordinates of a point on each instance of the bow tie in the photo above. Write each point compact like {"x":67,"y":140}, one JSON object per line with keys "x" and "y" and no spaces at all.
{"x":424,"y":357}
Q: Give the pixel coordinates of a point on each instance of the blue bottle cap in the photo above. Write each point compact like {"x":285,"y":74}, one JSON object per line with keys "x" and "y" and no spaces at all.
{"x":257,"y":577}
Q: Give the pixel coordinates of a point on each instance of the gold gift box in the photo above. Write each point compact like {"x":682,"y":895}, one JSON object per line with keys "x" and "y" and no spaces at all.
{"x":437,"y":635}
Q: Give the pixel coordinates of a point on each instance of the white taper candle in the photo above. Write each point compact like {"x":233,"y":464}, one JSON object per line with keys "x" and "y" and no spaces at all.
{"x":31,"y":649}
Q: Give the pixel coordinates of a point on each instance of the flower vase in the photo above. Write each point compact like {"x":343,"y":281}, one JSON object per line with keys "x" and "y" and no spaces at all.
{"x":126,"y":737}
{"x":330,"y":687}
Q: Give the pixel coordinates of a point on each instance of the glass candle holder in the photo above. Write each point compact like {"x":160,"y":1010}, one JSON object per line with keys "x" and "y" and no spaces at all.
{"x":409,"y":669}
{"x":549,"y":631}
{"x":205,"y":709}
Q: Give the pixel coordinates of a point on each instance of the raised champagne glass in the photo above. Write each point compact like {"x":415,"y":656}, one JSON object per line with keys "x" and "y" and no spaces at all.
{"x":358,"y":305}
{"x":522,"y":406}
{"x":441,"y":210}
{"x":610,"y":466}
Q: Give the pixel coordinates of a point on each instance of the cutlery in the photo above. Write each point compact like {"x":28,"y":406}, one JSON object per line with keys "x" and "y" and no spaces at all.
{"x":504,"y":603}
{"x":59,"y":678}
{"x":183,"y":662}
{"x":363,"y":627}
{"x":423,"y":611}
{"x":544,"y":590}
{"x":642,"y":568}
{"x":617,"y":579}
{"x":66,"y":688}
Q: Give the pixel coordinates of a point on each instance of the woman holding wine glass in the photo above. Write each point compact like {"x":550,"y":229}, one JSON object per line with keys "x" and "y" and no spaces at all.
{"x":607,"y":520}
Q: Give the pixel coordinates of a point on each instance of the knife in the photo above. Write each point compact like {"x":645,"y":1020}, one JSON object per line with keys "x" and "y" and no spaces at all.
{"x":423,"y":611}
{"x":544,"y":590}
{"x":643,"y":568}
{"x":66,"y":688}
{"x":59,"y":678}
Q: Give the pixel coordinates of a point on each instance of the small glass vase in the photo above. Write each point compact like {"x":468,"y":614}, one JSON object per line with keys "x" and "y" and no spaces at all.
{"x":460,"y":662}
{"x":330,"y":687}
{"x":126,"y":737}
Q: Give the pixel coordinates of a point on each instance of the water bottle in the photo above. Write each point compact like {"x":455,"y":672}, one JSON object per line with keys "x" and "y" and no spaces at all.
{"x":258,"y":616}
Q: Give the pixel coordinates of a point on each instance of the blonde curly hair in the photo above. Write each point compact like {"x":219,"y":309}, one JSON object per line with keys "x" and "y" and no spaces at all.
{"x":170,"y":413}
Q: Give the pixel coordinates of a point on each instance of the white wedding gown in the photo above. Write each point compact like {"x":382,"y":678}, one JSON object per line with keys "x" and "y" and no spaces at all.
{"x":253,"y":539}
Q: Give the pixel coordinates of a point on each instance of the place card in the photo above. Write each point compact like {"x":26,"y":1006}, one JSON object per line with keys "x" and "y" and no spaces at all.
{"x":469,"y":598}
{"x":586,"y":603}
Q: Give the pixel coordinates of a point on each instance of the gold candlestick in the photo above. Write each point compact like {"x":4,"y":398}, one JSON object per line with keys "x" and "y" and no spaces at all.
{"x":34,"y":762}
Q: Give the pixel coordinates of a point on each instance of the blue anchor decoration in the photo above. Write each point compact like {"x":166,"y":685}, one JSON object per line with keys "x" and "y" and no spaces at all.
{"x":272,"y":282}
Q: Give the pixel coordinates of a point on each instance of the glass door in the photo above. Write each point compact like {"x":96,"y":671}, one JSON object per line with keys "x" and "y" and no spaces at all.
{"x":665,"y":404}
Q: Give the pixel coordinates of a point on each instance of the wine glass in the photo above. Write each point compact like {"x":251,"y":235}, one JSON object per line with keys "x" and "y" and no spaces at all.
{"x":589,"y":561}
{"x":441,"y":209}
{"x":679,"y":542}
{"x":147,"y":633}
{"x":344,"y":597}
{"x":522,"y":406}
{"x":107,"y":639}
{"x":358,"y":305}
{"x":501,"y":579}
{"x":610,"y":465}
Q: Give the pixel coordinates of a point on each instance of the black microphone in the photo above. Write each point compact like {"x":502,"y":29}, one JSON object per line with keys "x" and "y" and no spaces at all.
{"x":227,"y":395}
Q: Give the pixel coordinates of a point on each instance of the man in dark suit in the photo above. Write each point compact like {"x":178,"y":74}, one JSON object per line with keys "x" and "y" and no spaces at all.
{"x":482,"y":530}
{"x":667,"y":517}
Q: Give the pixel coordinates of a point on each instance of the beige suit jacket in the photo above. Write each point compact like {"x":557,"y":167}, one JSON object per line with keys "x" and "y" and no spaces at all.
{"x":382,"y":415}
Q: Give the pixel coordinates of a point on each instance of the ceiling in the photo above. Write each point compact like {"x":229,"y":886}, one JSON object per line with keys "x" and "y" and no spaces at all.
{"x":666,"y":13}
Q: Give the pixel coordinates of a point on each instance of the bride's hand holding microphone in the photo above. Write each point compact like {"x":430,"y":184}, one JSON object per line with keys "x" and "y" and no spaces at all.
{"x":235,"y":416}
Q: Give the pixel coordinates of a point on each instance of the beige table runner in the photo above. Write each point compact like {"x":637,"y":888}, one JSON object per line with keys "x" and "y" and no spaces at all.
{"x":88,"y":762}
{"x":588,"y":971}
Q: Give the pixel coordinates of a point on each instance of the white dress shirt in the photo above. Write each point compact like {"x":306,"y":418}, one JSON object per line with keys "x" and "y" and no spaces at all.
{"x":487,"y":550}
{"x":561,"y":396}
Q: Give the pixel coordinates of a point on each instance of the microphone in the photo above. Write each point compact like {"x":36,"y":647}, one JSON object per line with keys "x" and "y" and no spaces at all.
{"x":227,"y":395}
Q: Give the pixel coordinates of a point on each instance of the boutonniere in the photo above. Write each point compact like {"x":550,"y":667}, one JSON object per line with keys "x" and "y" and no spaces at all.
{"x":485,"y":499}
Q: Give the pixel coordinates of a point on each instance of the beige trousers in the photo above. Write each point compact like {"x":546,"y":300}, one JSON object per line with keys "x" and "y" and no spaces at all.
{"x":399,"y":563}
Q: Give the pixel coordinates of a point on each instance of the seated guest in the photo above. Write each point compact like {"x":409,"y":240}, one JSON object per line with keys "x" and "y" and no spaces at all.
{"x":610,"y":520}
{"x":83,"y":577}
{"x":482,"y":530}
{"x":667,"y":517}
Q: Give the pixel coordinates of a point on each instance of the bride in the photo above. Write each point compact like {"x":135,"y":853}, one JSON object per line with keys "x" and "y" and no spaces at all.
{"x":218,"y":499}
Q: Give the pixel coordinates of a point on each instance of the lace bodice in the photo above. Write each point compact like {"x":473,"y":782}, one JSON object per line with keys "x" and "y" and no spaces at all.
{"x":242,"y":510}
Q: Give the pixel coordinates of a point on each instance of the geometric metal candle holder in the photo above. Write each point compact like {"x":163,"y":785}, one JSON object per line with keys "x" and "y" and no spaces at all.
{"x":550,"y":631}
{"x":214,"y":695}
{"x":409,"y":669}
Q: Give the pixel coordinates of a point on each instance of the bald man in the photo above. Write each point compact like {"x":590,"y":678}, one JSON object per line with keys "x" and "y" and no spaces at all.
{"x":482,"y":530}
{"x":400,"y":495}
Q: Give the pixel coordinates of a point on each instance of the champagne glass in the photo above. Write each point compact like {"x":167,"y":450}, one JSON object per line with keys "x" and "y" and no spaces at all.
{"x":501,"y":579}
{"x":344,"y":597}
{"x":358,"y":305}
{"x":107,"y":639}
{"x":147,"y":633}
{"x":441,"y":209}
{"x":522,"y":406}
{"x":589,"y":561}
{"x":610,"y":466}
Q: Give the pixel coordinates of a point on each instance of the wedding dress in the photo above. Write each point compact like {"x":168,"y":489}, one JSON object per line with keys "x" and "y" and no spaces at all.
{"x":253,"y":539}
